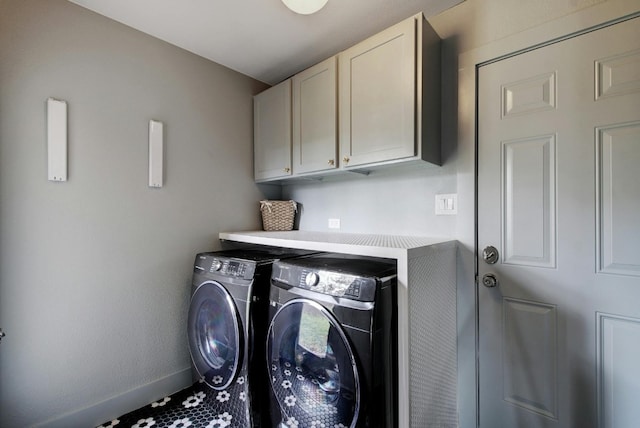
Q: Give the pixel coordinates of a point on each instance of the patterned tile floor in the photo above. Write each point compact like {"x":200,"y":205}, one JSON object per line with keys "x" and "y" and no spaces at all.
{"x":196,"y":406}
{"x":304,"y":403}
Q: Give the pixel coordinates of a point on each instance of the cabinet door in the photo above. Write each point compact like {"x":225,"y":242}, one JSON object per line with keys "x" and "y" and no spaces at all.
{"x":315,"y":118}
{"x":377,"y":97}
{"x":272,"y":132}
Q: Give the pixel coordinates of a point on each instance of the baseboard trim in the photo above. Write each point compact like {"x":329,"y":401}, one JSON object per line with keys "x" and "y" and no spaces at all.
{"x":116,"y":406}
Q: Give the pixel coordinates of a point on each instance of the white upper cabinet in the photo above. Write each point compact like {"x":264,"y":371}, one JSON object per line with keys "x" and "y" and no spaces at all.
{"x":272,"y":132}
{"x":375,"y":104}
{"x":388,"y":112}
{"x":315,"y":133}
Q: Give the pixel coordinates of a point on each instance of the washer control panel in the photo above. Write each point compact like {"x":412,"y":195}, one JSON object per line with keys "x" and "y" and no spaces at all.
{"x":232,"y":268}
{"x":225,"y":266}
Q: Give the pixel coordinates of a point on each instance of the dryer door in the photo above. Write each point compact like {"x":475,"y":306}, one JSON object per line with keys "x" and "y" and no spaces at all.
{"x":314,"y":376}
{"x":215,"y":335}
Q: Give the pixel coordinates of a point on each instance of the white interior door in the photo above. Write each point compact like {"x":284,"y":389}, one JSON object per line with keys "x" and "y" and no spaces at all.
{"x":559,"y":199}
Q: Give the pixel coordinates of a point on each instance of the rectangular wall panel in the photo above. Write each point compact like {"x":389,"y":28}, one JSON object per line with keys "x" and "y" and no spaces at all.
{"x":618,"y":75}
{"x":618,"y":198}
{"x":529,"y":95}
{"x":529,"y":201}
{"x":530,"y":356}
{"x":618,"y":368}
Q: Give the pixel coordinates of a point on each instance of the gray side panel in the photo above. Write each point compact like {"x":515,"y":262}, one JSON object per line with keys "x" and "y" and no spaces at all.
{"x":432,"y":339}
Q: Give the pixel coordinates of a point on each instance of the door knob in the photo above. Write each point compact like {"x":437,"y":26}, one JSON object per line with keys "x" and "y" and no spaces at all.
{"x":490,"y":254}
{"x":1,"y":334}
{"x":489,"y":280}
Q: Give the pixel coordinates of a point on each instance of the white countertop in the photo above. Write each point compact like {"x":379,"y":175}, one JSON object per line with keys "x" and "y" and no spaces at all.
{"x":390,"y":246}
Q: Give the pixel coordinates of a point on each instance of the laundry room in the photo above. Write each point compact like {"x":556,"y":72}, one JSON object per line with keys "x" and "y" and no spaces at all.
{"x":97,"y":265}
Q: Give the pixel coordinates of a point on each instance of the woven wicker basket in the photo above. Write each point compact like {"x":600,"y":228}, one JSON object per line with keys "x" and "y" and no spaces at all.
{"x":278,"y":215}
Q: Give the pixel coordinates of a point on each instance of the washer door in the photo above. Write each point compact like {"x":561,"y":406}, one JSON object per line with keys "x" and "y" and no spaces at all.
{"x":215,"y":335}
{"x":314,"y":376}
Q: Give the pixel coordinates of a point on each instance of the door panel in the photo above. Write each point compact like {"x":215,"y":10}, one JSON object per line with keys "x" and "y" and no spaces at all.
{"x":618,"y":157}
{"x":313,"y":373}
{"x":528,"y":200}
{"x":559,"y":197}
{"x":216,"y":341}
{"x":619,"y":345}
{"x":272,"y":132}
{"x":529,"y":95}
{"x":618,"y":74}
{"x":377,"y":97}
{"x":530,"y":364}
{"x":315,"y":137}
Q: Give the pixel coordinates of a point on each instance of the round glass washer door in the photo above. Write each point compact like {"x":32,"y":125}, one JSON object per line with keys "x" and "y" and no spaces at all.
{"x":313,"y":372}
{"x":215,"y":335}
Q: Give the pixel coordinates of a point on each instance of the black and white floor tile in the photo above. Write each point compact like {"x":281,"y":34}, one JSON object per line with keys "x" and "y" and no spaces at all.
{"x":198,"y":406}
{"x":304,"y":403}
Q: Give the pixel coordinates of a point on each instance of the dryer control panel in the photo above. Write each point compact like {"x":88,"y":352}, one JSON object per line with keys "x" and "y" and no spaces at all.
{"x":326,"y":282}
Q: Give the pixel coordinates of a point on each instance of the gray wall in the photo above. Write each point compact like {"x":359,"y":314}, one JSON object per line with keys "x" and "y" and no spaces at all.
{"x":397,"y":201}
{"x":95,"y":272}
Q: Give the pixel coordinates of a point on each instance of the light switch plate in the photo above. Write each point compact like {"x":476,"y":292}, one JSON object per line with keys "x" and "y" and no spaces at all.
{"x":447,"y":204}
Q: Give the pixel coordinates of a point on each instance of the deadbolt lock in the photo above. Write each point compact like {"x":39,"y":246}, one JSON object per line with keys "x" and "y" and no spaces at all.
{"x":490,"y":254}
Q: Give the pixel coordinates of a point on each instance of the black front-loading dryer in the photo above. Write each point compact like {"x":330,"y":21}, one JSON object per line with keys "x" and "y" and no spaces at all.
{"x":331,"y":342}
{"x":227,"y":329}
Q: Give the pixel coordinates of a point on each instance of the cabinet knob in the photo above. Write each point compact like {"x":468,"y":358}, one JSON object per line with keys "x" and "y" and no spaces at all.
{"x":345,"y":159}
{"x":331,"y":162}
{"x":287,"y":169}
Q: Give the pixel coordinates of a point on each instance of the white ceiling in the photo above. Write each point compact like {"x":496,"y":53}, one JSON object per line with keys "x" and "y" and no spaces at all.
{"x":262,"y":38}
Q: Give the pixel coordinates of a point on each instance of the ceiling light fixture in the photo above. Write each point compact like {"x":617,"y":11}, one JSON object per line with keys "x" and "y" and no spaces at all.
{"x":305,"y":7}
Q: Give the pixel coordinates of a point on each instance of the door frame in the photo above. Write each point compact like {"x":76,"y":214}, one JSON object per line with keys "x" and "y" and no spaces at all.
{"x":580,"y":22}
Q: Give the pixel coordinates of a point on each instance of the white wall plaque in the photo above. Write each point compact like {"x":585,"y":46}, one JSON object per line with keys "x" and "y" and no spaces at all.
{"x":57,"y":139}
{"x":155,"y":153}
